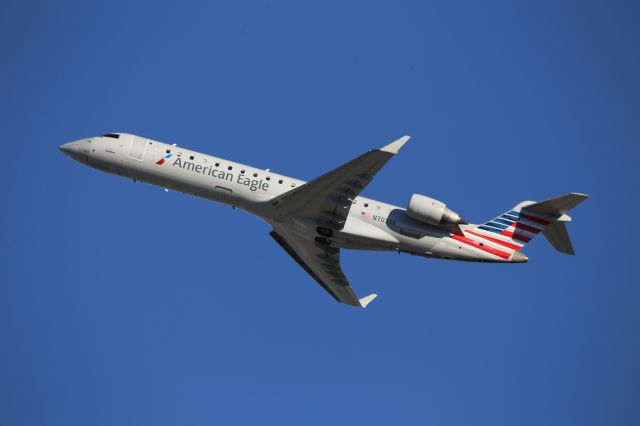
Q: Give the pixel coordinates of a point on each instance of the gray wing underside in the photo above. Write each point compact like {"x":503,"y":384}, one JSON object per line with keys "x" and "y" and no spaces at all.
{"x":327,"y":200}
{"x":321,"y":262}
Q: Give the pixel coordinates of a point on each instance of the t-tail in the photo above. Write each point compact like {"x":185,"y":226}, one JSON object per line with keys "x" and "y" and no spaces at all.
{"x":510,"y":231}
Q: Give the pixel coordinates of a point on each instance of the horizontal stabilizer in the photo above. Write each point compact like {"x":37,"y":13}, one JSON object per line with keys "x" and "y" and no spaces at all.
{"x":559,"y":205}
{"x":367,"y":299}
{"x":556,"y":208}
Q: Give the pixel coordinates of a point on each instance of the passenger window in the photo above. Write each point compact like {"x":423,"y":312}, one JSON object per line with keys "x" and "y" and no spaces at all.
{"x":268,"y":177}
{"x":230,"y":167}
{"x":280,"y":181}
{"x":191,"y":157}
{"x":242,"y":171}
{"x":217,"y":164}
{"x":168,"y":151}
{"x":255,"y":175}
{"x":366,"y":204}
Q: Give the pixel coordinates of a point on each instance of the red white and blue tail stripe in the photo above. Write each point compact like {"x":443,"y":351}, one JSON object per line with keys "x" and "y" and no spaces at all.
{"x":505,"y":234}
{"x":513,"y":228}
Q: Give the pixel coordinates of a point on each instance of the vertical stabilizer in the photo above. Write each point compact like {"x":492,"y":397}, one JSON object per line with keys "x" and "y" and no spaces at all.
{"x":510,"y":231}
{"x":557,"y":234}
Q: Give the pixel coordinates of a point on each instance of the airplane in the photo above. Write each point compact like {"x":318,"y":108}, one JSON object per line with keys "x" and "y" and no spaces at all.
{"x":312,"y":221}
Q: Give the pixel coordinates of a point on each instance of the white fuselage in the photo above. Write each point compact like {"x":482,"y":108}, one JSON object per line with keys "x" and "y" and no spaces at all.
{"x":371,"y":224}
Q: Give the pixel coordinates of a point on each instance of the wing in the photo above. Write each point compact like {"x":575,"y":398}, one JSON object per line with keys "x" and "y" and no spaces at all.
{"x":322,"y":262}
{"x":328,"y":198}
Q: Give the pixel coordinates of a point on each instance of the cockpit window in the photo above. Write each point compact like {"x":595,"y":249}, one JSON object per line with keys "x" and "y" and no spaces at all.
{"x":111,"y":135}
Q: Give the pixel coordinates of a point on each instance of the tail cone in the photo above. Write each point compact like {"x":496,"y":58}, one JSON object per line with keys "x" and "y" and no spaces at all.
{"x":519,"y":257}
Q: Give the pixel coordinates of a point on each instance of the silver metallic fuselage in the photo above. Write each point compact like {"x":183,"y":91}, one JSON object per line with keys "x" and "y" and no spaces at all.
{"x":371,"y":225}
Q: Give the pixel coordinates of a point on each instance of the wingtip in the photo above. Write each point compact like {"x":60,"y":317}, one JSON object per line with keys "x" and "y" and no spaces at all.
{"x":395,"y":146}
{"x":581,"y":195}
{"x":367,"y":299}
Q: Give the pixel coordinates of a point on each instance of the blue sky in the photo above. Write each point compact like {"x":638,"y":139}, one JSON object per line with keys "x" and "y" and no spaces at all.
{"x":121,"y":304}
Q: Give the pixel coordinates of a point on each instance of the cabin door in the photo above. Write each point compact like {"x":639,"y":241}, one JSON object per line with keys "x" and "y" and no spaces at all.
{"x":138,"y":148}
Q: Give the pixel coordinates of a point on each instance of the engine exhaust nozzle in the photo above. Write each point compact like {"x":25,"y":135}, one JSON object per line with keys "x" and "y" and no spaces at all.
{"x":449,"y":216}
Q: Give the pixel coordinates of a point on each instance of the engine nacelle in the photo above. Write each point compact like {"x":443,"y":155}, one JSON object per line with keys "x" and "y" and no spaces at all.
{"x":432,"y":211}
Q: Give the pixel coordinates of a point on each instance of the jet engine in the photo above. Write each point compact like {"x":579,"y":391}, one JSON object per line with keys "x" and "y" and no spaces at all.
{"x":432,"y":211}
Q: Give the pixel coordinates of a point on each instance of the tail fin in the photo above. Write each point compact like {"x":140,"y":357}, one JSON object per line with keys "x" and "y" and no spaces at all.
{"x":521,"y":224}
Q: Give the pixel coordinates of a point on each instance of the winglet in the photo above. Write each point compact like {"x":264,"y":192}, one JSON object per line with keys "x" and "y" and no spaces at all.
{"x":367,"y":299}
{"x":395,"y":146}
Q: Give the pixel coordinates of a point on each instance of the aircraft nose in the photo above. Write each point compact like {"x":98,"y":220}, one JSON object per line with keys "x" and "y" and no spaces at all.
{"x":77,"y":150}
{"x":66,"y":148}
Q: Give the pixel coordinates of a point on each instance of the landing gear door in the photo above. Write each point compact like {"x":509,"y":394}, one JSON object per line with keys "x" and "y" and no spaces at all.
{"x":138,"y":148}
